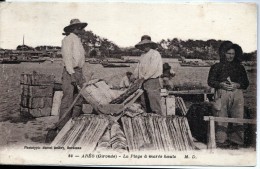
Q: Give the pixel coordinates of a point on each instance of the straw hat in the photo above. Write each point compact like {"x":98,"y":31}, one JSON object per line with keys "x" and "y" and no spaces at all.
{"x":75,"y":23}
{"x":146,"y":41}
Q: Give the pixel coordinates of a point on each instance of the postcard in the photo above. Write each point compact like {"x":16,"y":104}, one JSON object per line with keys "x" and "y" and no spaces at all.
{"x":128,"y":84}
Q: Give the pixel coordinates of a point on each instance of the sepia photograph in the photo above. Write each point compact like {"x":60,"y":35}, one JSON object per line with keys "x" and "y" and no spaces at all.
{"x":128,"y":84}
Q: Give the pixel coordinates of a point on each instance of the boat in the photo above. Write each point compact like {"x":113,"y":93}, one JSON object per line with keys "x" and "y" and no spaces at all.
{"x":194,"y":65}
{"x":93,"y":62}
{"x":122,"y":61}
{"x":114,"y":65}
{"x":34,"y":60}
{"x":7,"y":61}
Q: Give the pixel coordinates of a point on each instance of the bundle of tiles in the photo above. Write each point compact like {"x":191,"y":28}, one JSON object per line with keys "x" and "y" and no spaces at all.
{"x":84,"y":131}
{"x":181,"y":106}
{"x":37,"y":94}
{"x":150,"y":132}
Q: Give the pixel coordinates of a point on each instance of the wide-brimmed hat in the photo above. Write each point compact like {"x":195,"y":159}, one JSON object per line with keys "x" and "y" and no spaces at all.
{"x":146,"y":41}
{"x":75,"y":23}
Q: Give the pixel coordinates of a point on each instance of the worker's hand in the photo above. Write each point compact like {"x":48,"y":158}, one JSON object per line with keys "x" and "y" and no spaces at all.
{"x":229,"y":86}
{"x":235,"y":85}
{"x":73,"y":80}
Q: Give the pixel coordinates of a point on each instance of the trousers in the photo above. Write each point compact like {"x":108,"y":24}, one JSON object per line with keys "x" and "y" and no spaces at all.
{"x":232,"y":105}
{"x":151,"y":98}
{"x":69,"y":94}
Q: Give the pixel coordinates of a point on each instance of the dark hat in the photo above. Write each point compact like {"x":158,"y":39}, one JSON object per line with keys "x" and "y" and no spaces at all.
{"x":129,"y":73}
{"x":75,"y":23}
{"x":166,"y":66}
{"x":146,"y":40}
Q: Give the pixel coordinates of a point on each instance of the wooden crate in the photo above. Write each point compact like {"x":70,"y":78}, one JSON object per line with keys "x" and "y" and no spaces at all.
{"x":170,"y":105}
{"x":37,"y":91}
{"x":36,"y":102}
{"x":37,"y":79}
{"x":39,"y":112}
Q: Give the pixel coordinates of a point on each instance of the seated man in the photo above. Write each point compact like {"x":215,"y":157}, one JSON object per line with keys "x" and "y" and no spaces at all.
{"x":127,"y":80}
{"x":166,"y":77}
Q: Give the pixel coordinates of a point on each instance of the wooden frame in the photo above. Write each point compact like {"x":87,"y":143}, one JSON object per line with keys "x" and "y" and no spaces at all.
{"x":211,"y":130}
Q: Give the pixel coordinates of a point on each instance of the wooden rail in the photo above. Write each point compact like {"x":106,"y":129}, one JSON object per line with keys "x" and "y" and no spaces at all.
{"x":211,"y":131}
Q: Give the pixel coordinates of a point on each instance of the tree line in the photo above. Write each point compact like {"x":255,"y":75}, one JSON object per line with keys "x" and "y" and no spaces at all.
{"x":101,"y":47}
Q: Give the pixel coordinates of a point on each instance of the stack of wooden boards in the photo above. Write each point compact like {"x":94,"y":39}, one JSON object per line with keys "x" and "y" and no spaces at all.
{"x":37,"y":94}
{"x":133,"y":88}
{"x":84,"y":131}
{"x":153,"y":132}
{"x":181,"y":106}
{"x":170,"y":104}
{"x":144,"y":132}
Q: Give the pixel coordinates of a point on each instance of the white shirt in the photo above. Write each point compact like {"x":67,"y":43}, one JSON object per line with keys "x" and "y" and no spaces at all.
{"x":124,"y":82}
{"x":149,"y":66}
{"x":73,"y":52}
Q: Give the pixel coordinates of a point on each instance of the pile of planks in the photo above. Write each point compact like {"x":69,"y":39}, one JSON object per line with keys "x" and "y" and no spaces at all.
{"x":113,"y":139}
{"x":84,"y":131}
{"x":133,"y":88}
{"x":37,"y":94}
{"x":181,"y":106}
{"x":153,"y":132}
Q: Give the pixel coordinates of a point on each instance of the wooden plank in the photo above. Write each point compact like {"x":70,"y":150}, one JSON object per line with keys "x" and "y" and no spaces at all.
{"x":152,"y":130}
{"x":127,"y":126}
{"x":189,"y":132}
{"x":63,"y":131}
{"x":164,"y":106}
{"x":170,"y":105}
{"x":230,"y":120}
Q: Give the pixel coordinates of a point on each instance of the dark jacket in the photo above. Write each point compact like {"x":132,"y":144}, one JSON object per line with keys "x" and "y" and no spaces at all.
{"x":219,"y":72}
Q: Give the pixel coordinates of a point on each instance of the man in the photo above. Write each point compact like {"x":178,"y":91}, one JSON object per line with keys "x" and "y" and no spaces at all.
{"x":73,"y":55}
{"x":126,"y":81}
{"x":150,"y":69}
{"x":166,"y":77}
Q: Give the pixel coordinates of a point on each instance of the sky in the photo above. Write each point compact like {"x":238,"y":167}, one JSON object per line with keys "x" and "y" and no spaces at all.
{"x":124,"y":23}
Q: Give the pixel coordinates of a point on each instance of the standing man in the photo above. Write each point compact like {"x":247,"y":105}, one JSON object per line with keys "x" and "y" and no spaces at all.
{"x":150,"y":68}
{"x":73,"y":55}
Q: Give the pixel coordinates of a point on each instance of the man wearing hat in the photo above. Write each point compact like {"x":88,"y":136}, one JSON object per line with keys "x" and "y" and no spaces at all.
{"x":73,"y":55}
{"x":167,"y":76}
{"x":150,"y":68}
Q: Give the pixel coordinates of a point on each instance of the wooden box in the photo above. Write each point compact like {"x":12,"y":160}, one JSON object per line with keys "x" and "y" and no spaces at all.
{"x":39,"y":112}
{"x":37,"y":91}
{"x":37,"y":79}
{"x":36,"y":102}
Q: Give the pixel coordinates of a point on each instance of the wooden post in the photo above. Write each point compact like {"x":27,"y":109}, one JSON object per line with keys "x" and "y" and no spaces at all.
{"x":205,"y":97}
{"x":211,"y":135}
